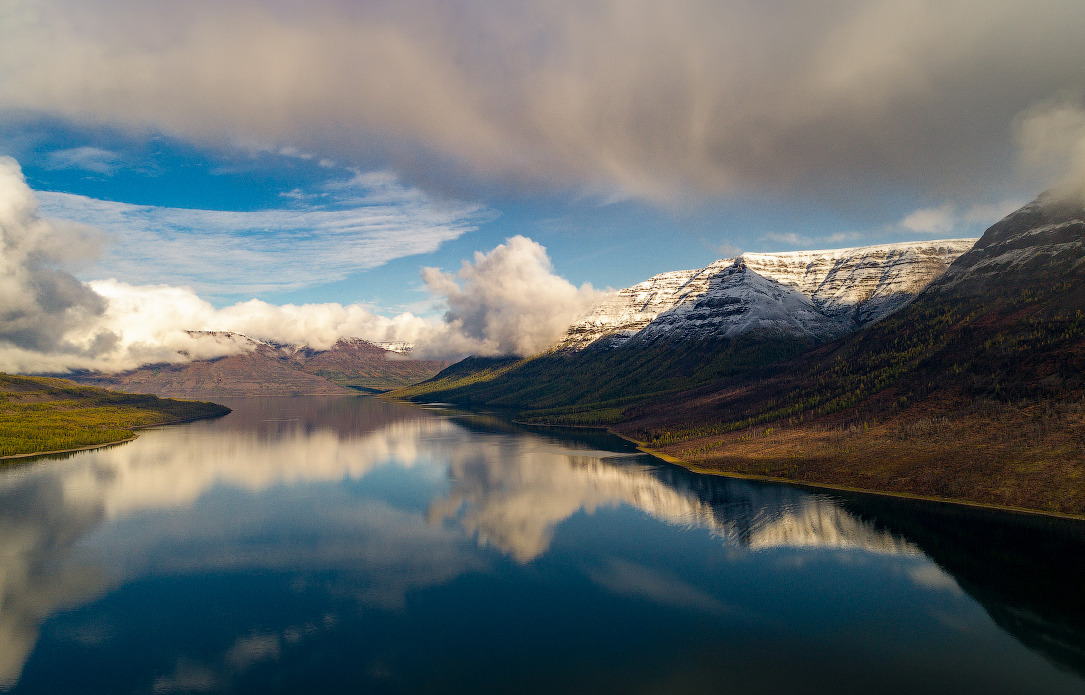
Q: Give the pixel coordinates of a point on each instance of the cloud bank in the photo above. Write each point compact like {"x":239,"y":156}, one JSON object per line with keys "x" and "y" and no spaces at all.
{"x":624,"y":97}
{"x":508,"y":301}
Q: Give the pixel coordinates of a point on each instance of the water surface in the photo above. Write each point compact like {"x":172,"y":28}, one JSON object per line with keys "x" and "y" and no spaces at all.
{"x":352,"y":544}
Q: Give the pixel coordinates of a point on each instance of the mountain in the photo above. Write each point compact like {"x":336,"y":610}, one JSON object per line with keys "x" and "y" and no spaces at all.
{"x":684,"y":328}
{"x":270,"y":369}
{"x":973,"y":390}
{"x":820,"y":294}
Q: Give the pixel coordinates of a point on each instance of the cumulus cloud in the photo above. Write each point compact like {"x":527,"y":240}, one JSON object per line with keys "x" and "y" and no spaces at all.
{"x":357,"y":224}
{"x":510,"y":300}
{"x":40,"y":301}
{"x":633,"y":97}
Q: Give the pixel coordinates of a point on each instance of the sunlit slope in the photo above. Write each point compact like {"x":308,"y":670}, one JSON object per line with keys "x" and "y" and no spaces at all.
{"x":40,"y":414}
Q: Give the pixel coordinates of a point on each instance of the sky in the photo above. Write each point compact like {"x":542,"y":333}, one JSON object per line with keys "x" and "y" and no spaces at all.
{"x":469,"y":176}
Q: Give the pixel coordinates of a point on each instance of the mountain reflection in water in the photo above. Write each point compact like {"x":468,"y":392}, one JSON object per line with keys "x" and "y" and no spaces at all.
{"x":378,"y":502}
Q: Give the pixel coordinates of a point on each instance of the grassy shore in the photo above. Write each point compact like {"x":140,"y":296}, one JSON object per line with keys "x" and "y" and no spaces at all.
{"x":42,"y":415}
{"x":1026,"y":456}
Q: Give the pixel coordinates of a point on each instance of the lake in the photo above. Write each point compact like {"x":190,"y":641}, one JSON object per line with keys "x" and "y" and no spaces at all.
{"x":357,"y":545}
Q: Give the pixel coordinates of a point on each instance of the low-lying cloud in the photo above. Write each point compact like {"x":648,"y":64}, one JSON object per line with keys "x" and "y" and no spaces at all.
{"x":507,"y":301}
{"x":949,"y":218}
{"x":1051,"y":139}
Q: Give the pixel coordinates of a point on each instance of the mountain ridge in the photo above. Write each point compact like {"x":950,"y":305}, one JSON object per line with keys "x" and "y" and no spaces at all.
{"x":819,"y":294}
{"x":261,"y":368}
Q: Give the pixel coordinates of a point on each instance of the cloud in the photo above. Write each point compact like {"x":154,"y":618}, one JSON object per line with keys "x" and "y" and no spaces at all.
{"x":937,"y":220}
{"x":948,"y":218}
{"x":92,"y":159}
{"x":509,"y":299}
{"x":40,"y":302}
{"x":1051,"y":138}
{"x":789,"y":238}
{"x":374,"y":219}
{"x":654,"y":100}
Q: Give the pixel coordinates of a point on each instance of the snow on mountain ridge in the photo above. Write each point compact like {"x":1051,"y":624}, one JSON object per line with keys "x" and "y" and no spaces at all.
{"x":818,"y":294}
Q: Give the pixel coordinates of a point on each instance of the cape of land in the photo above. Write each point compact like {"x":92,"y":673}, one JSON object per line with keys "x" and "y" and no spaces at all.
{"x":971,"y":389}
{"x":40,"y":415}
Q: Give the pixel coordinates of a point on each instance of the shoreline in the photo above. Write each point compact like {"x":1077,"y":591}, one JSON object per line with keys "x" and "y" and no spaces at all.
{"x":705,"y":470}
{"x":90,"y":447}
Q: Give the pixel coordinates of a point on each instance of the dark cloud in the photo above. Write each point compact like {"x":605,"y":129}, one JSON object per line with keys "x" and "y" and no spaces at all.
{"x":40,"y":302}
{"x":664,"y":101}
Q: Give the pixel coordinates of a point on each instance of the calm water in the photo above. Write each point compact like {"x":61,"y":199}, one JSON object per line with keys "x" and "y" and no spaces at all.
{"x":354,"y":545}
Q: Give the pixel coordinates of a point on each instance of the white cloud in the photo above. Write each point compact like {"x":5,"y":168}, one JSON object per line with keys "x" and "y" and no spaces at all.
{"x":375,"y":220}
{"x":937,"y":220}
{"x":790,"y":238}
{"x":509,"y":299}
{"x":40,"y":301}
{"x":92,"y":159}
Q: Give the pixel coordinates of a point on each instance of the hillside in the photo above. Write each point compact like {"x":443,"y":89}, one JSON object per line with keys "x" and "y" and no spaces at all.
{"x":268,"y":369}
{"x":40,"y":415}
{"x":973,"y":391}
{"x":681,"y":329}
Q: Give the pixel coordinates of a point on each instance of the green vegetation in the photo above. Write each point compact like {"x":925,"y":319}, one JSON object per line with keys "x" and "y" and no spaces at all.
{"x":594,"y":387}
{"x":976,"y":396}
{"x":1020,"y":349}
{"x":40,"y":415}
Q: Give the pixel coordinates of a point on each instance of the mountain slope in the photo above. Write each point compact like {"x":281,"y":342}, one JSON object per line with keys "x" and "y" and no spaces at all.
{"x":679,"y":330}
{"x":973,"y":391}
{"x":266,"y":369}
{"x":818,"y":294}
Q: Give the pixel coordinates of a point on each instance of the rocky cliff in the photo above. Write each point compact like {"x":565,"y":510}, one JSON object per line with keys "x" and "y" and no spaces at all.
{"x":816,"y":294}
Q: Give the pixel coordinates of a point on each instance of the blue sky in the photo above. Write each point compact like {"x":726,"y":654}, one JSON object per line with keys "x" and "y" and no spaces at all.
{"x":166,"y":189}
{"x":327,"y":153}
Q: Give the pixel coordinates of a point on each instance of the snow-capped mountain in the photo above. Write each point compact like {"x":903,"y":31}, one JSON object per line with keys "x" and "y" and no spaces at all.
{"x":816,"y":294}
{"x":243,"y":366}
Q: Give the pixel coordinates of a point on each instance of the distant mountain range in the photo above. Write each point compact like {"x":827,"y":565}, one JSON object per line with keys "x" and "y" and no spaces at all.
{"x":949,"y":369}
{"x":270,"y":369}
